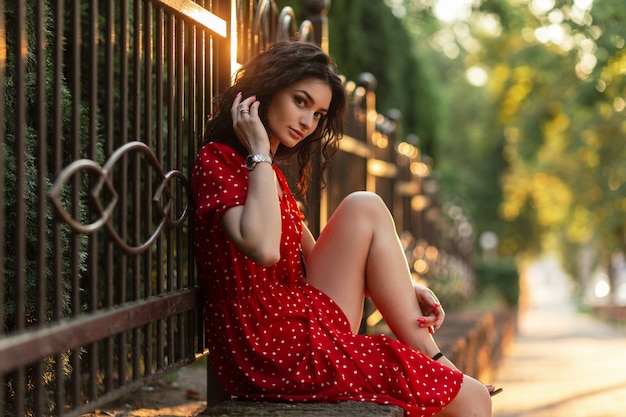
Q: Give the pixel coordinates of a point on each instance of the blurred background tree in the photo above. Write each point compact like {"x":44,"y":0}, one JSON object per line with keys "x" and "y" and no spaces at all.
{"x":520,"y":103}
{"x":535,"y":145}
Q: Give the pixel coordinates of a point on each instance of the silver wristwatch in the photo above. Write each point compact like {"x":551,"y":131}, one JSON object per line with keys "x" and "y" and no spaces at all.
{"x":252,"y":160}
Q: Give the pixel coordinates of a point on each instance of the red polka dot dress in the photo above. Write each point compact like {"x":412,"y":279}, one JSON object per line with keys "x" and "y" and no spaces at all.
{"x":272,"y":336}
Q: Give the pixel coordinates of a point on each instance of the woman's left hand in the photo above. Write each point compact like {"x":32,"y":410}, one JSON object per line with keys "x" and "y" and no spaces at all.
{"x":433,"y":314}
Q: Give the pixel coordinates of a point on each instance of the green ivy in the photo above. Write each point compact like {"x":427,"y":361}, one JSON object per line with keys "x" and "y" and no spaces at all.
{"x":499,"y":276}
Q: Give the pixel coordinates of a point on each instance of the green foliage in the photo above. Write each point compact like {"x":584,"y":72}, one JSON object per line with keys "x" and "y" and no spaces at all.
{"x":535,"y":154}
{"x":30,"y":173}
{"x":567,"y":148}
{"x":500,"y":277}
{"x":366,"y":37}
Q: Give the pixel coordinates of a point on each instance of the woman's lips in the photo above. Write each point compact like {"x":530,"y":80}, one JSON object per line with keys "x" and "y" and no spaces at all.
{"x":296,"y":133}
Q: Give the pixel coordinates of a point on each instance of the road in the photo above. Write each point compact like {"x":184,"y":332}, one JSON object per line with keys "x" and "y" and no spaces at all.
{"x":563,"y":363}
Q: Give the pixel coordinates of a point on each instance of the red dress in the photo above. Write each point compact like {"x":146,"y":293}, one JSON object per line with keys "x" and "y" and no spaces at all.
{"x":272,"y":336}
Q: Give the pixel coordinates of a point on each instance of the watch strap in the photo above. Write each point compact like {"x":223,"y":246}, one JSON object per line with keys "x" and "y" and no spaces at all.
{"x":252,"y":160}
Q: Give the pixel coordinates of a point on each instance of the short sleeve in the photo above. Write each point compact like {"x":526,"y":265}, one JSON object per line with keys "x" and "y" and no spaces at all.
{"x":219,"y":181}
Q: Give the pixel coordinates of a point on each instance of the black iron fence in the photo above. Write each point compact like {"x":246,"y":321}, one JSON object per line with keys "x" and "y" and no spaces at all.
{"x":102,"y":109}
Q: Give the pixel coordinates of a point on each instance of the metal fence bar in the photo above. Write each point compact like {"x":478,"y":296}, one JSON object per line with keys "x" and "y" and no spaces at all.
{"x":27,"y":347}
{"x":136,"y":183}
{"x":38,"y":370}
{"x":109,"y":115}
{"x":93,"y":97}
{"x":122,"y":136}
{"x":3,"y":115}
{"x":148,"y":22}
{"x":20,"y":204}
{"x":75,"y":38}
{"x":57,"y":163}
{"x":160,"y":277}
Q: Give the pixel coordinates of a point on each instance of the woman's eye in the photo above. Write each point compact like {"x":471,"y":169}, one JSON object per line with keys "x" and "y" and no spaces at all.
{"x":318,"y":116}
{"x":300,"y":101}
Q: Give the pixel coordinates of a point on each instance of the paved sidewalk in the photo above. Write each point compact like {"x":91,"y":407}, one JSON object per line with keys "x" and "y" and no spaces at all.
{"x":563,"y":364}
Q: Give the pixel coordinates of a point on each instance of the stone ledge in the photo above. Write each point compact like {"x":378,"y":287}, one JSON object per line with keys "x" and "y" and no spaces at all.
{"x":612,"y":313}
{"x":241,"y":408}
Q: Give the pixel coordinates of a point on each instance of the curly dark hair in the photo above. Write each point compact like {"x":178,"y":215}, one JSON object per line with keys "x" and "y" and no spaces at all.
{"x":283,"y":64}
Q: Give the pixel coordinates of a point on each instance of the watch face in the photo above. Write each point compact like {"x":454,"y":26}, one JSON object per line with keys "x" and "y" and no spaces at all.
{"x":252,"y":160}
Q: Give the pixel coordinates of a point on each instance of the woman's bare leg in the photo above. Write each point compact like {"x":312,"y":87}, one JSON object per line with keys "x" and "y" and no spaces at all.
{"x":359,"y":252}
{"x":472,"y":401}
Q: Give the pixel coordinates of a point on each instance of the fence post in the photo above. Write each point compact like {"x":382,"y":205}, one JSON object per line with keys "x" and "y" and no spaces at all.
{"x":317,"y":11}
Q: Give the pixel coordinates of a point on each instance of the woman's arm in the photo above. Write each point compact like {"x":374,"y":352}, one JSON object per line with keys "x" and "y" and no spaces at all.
{"x":255,"y":227}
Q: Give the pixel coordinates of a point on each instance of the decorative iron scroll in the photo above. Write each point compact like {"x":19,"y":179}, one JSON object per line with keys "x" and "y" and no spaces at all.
{"x":105,"y":182}
{"x":287,"y":28}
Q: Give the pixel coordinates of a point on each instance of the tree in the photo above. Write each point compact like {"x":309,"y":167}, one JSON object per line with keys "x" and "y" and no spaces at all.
{"x":546,"y":127}
{"x":365,"y":36}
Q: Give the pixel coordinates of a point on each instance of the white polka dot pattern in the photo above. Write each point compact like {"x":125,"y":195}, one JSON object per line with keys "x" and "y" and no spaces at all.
{"x":273,"y":336}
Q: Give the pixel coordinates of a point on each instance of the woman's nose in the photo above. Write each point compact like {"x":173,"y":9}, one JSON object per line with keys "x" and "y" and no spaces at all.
{"x":307,"y":120}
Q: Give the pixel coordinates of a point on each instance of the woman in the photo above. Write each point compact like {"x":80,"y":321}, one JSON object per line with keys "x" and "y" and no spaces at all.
{"x":283,"y":310}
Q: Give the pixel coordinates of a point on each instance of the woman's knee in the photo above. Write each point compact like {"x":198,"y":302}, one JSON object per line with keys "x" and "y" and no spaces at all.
{"x":472,"y":400}
{"x":364,"y":202}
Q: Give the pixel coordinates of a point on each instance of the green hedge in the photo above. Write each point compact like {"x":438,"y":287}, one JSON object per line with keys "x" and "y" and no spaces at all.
{"x":500,"y":277}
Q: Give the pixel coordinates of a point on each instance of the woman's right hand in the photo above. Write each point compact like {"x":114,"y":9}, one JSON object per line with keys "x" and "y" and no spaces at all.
{"x":248,"y":126}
